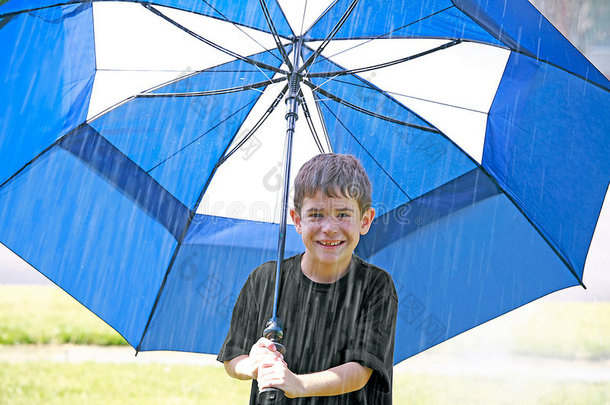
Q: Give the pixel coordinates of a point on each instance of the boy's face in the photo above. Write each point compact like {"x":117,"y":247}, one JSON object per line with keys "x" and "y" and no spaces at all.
{"x":331,"y":227}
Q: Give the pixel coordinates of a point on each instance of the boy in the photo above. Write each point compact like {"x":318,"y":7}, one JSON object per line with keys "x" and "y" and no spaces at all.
{"x":339,"y":312}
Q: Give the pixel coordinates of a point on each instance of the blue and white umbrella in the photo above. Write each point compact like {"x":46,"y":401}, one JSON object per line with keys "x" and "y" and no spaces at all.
{"x":142,"y":152}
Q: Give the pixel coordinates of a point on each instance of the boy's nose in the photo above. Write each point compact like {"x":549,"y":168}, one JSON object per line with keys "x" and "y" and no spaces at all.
{"x":329,"y":225}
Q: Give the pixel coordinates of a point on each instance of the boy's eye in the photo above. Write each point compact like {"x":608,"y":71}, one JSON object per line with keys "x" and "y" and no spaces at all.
{"x":344,"y":215}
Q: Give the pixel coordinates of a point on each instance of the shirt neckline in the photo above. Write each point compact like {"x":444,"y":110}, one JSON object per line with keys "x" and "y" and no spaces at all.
{"x":321,"y":287}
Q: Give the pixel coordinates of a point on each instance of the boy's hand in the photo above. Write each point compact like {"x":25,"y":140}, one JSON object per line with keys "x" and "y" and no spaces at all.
{"x":273,"y":372}
{"x":262,"y":350}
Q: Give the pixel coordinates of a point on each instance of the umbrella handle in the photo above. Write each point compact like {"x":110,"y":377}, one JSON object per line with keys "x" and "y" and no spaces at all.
{"x":273,"y":332}
{"x":268,"y":396}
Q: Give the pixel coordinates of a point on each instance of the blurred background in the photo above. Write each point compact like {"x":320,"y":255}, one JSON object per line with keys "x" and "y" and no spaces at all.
{"x":555,"y":350}
{"x":585,"y":23}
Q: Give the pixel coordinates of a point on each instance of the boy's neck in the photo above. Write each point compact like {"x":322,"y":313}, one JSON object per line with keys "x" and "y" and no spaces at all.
{"x":321,"y":273}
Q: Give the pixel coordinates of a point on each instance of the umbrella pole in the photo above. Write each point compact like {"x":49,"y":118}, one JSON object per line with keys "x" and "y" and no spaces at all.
{"x":273,"y":330}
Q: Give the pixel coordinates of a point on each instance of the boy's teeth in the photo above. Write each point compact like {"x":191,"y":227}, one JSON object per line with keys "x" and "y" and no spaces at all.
{"x":330,"y":243}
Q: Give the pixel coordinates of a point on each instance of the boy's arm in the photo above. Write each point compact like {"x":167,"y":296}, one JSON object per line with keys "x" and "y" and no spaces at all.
{"x":240,"y":367}
{"x":337,"y":380}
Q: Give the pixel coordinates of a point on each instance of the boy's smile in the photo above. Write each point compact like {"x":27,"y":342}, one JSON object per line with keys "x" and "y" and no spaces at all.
{"x":330,"y":228}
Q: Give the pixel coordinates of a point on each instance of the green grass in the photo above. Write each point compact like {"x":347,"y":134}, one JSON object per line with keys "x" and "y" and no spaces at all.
{"x":569,"y":330}
{"x":434,"y":389}
{"x":97,"y":383}
{"x":46,"y":314}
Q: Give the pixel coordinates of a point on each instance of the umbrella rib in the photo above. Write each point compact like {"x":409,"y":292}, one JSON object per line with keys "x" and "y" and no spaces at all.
{"x":198,"y":138}
{"x":408,"y":96}
{"x":330,"y":36}
{"x":30,"y":10}
{"x":133,"y":97}
{"x":312,"y":128}
{"x":146,"y":70}
{"x":303,"y":18}
{"x":386,"y":64}
{"x":368,"y":112}
{"x":258,"y":124}
{"x":35,"y":158}
{"x":326,"y":81}
{"x":213,"y":44}
{"x":330,"y":6}
{"x":390,"y":32}
{"x":322,"y":122}
{"x":214,"y":92}
{"x":214,"y":68}
{"x":275,"y":35}
{"x":239,"y":28}
{"x":367,"y":151}
{"x":437,"y":102}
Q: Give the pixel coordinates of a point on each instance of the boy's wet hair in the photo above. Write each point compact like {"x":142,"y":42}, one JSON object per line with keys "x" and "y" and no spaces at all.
{"x":336,"y":175}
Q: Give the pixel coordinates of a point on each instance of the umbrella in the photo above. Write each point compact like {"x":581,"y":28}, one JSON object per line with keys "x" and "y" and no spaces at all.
{"x":143,"y":143}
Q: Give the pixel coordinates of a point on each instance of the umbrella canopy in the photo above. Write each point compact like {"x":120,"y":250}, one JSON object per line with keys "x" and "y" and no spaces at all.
{"x":142,"y":151}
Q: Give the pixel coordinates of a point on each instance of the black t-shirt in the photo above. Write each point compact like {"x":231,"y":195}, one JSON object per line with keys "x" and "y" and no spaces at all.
{"x":325,"y":325}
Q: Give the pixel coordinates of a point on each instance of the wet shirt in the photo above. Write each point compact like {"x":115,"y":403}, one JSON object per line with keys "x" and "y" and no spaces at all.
{"x":325,"y":325}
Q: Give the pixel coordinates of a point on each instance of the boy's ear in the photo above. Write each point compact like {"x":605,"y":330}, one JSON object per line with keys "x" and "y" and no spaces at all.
{"x":296,"y":219}
{"x":367,"y":220}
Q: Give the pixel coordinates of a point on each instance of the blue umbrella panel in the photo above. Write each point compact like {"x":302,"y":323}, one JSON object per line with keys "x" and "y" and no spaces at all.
{"x":142,"y":148}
